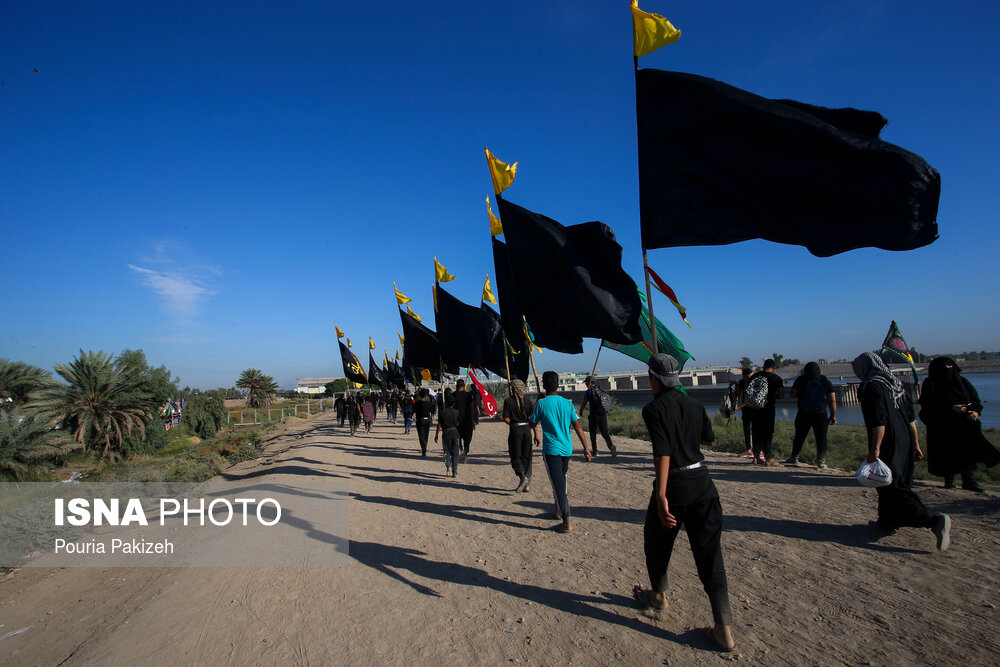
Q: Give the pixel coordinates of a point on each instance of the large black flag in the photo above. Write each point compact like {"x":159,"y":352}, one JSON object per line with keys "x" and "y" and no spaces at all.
{"x":719,"y":165}
{"x":375,"y":374}
{"x":510,"y":313}
{"x":569,"y":280}
{"x":470,"y":336}
{"x":353,"y":370}
{"x":421,"y":348}
{"x":396,"y":375}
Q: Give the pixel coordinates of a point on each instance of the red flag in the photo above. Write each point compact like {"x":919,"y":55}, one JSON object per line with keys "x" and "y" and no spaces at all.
{"x":669,"y":293}
{"x":489,"y":402}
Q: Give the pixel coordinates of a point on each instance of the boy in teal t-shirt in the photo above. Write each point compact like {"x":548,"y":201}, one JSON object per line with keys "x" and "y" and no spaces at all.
{"x":557,"y":416}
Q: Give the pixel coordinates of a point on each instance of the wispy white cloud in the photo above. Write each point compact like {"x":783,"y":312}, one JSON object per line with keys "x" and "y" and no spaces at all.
{"x":181,"y":294}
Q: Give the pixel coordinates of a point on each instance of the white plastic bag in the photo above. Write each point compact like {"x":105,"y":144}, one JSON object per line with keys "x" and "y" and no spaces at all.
{"x":874,"y":474}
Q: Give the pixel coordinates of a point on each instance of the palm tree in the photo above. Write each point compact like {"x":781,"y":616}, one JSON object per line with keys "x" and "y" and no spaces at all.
{"x":260,"y":389}
{"x":27,"y":441}
{"x":100,"y":403}
{"x":18,"y":381}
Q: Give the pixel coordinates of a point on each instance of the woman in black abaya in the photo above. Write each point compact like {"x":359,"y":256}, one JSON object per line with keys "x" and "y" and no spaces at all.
{"x":950,"y":407}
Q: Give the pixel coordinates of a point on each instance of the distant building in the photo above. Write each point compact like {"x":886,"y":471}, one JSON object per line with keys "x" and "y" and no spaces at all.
{"x":313,"y":385}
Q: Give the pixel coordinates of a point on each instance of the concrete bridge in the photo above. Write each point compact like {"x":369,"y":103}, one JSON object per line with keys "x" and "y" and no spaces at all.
{"x":639,"y":379}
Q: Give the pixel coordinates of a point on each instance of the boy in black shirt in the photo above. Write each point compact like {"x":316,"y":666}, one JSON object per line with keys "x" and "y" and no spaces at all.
{"x":683,"y":494}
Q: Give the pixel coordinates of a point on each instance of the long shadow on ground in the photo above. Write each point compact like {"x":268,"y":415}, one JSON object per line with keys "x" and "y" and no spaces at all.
{"x":391,"y":560}
{"x":861,"y":536}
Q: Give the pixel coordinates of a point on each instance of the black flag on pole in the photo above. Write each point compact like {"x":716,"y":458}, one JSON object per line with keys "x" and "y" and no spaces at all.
{"x":719,"y":165}
{"x":375,"y":374}
{"x":353,"y":370}
{"x":471,"y":335}
{"x":569,"y":280}
{"x":421,"y":348}
{"x":510,"y":313}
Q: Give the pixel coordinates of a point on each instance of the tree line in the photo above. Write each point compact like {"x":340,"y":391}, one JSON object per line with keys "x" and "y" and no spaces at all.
{"x":106,"y":405}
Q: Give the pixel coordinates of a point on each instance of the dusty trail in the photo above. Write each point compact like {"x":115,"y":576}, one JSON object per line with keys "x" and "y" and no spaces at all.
{"x":447,"y":571}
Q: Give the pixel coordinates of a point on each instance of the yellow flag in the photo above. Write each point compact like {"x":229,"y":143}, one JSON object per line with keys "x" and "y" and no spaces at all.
{"x":434,"y":292}
{"x":495,"y":227}
{"x":400,"y":297}
{"x":348,"y":342}
{"x":501,"y":172}
{"x":413,"y":315}
{"x":340,"y":332}
{"x":487,"y":292}
{"x":402,"y":341}
{"x":651,"y":31}
{"x":371,"y":343}
{"x":425,"y":374}
{"x":441,"y":274}
{"x":398,"y":358}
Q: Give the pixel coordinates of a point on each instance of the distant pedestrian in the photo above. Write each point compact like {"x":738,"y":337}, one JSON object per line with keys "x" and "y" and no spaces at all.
{"x":764,"y":390}
{"x":468,"y":408}
{"x":422,"y":409}
{"x":893,"y":438}
{"x":340,"y":405}
{"x":599,"y":401}
{"x":950,"y":407}
{"x":517,"y":408}
{"x":557,"y":416}
{"x":683,"y":495}
{"x":354,"y":411}
{"x":815,"y":394}
{"x":448,"y":427}
{"x":745,"y":415}
{"x":368,"y":412}
{"x":406,"y":406}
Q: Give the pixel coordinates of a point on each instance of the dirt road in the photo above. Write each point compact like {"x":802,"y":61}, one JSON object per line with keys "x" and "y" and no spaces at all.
{"x":462,"y":571}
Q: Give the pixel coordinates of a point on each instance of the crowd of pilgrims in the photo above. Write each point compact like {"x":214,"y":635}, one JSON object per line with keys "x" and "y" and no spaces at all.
{"x":679,"y":426}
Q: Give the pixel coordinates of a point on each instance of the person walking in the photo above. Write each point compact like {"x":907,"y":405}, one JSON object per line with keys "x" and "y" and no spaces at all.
{"x":354,"y":412}
{"x":597,"y":420}
{"x":422,"y":409}
{"x":768,"y":386}
{"x":950,"y":407}
{"x":815,"y":394}
{"x":745,"y":415}
{"x":340,"y":405}
{"x":516,"y":410}
{"x":368,"y":412}
{"x":448,"y":420}
{"x":406,"y":406}
{"x":468,"y":408}
{"x":683,"y":495}
{"x":556,"y":416}
{"x":893,"y":438}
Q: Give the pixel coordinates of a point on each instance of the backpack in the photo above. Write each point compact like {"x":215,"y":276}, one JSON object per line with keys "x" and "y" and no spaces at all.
{"x":599,"y":397}
{"x":813,"y":398}
{"x":756,"y":392}
{"x":729,"y":402}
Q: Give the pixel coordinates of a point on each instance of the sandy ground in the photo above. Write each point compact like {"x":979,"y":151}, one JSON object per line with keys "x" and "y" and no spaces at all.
{"x":463,"y":571}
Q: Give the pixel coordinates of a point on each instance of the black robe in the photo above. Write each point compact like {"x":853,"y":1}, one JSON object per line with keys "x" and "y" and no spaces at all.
{"x":954,"y":442}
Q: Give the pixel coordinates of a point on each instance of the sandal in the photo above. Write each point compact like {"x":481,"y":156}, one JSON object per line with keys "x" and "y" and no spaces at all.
{"x":647,"y":601}
{"x":726,"y":647}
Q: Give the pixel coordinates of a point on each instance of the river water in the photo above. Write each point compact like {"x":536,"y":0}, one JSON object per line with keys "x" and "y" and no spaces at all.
{"x":987,"y":384}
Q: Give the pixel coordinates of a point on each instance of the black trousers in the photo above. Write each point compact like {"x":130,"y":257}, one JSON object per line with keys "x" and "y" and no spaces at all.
{"x":599,"y":423}
{"x":898,"y":508}
{"x":746,"y":429}
{"x":694,"y":502}
{"x":819,"y":425}
{"x":466,"y":431}
{"x":519,"y":447}
{"x":423,"y":432}
{"x":762,"y":430}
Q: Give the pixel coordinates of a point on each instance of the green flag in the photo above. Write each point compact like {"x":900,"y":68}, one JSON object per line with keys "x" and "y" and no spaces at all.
{"x":666,"y":341}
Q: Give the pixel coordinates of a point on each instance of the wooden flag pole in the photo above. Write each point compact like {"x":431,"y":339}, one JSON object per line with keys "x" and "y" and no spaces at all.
{"x":649,"y":303}
{"x":595,"y":360}
{"x":531,"y":356}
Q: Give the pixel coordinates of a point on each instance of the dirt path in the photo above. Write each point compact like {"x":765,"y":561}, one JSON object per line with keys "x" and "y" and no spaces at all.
{"x":462,"y":571}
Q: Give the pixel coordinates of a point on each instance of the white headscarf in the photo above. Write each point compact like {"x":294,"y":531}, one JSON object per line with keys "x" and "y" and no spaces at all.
{"x":870,"y":368}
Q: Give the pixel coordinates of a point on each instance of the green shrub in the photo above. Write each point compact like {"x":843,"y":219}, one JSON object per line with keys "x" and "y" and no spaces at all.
{"x":195,"y":467}
{"x":242,"y":446}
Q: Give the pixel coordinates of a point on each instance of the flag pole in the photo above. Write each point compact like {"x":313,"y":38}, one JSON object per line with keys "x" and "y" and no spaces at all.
{"x":595,"y":360}
{"x":645,"y":261}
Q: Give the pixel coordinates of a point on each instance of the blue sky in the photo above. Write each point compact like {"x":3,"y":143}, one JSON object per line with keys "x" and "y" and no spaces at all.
{"x":217,"y":183}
